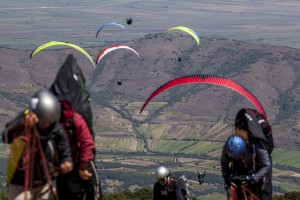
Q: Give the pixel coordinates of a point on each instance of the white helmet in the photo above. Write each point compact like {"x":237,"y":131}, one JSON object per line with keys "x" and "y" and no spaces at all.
{"x":161,"y":172}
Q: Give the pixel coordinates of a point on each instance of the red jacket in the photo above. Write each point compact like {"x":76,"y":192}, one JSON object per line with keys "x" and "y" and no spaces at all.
{"x":81,"y":141}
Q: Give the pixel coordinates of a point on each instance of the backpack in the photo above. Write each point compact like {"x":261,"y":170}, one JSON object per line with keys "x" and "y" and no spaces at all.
{"x":183,"y":183}
{"x":257,"y":126}
{"x":69,"y":85}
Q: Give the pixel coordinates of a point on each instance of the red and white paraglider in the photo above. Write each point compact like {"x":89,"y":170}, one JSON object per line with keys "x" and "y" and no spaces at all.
{"x":112,"y":48}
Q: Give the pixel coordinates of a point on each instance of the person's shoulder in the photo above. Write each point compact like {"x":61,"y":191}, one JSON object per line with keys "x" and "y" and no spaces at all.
{"x":78,"y":119}
{"x":259,"y":144}
{"x":57,"y":128}
{"x":173,"y":180}
{"x":156,"y":185}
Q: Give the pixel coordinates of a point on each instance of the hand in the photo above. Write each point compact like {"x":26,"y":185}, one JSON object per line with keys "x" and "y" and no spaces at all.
{"x":250,"y":178}
{"x":66,"y":167}
{"x":226,"y":187}
{"x":31,"y":119}
{"x":85,"y":174}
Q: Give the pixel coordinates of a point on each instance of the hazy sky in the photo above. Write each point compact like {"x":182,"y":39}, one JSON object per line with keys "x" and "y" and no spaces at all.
{"x":26,"y":24}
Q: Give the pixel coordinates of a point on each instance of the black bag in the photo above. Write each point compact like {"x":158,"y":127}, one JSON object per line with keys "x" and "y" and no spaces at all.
{"x":257,"y":125}
{"x":182,"y":181}
{"x":69,"y":85}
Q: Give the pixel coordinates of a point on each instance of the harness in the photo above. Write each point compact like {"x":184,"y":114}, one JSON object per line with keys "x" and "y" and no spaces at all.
{"x":33,"y":147}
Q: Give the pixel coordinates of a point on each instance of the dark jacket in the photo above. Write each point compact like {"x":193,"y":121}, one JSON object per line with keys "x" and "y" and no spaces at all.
{"x":53,"y":136}
{"x":170,"y":191}
{"x":262,"y":175}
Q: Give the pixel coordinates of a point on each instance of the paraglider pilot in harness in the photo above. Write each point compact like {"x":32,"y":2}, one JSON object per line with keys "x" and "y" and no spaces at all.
{"x":246,"y":156}
{"x":166,"y":188}
{"x":76,"y":117}
{"x":33,"y":136}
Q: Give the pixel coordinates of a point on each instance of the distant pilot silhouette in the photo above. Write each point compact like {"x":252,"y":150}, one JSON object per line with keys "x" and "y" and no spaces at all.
{"x":179,"y":59}
{"x":119,"y":82}
{"x":129,"y":21}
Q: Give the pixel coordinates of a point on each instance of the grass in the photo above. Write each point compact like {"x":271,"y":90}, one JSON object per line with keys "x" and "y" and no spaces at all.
{"x":213,"y":196}
{"x":117,"y":144}
{"x":152,"y":105}
{"x":287,"y":186}
{"x":203,"y":147}
{"x":169,"y":146}
{"x":286,"y":157}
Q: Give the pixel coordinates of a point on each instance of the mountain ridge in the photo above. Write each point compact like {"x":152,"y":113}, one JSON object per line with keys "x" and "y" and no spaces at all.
{"x":269,"y":72}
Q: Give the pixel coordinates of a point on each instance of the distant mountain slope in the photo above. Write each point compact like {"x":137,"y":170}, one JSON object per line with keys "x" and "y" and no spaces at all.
{"x":271,"y":73}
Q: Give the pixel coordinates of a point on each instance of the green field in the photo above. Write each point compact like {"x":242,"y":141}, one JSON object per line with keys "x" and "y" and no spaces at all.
{"x":286,"y":157}
{"x":124,"y":144}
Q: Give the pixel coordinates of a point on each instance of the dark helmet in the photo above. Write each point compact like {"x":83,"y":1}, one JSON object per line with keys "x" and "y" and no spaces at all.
{"x":162,"y":172}
{"x":46,"y":106}
{"x":240,"y":119}
{"x":235,"y":147}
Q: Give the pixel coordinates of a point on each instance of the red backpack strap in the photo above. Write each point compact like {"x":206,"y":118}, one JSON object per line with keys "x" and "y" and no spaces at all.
{"x":170,"y":182}
{"x":67,"y":116}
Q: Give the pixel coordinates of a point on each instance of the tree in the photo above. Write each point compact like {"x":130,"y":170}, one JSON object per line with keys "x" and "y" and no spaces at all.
{"x":3,"y":196}
{"x":294,"y":195}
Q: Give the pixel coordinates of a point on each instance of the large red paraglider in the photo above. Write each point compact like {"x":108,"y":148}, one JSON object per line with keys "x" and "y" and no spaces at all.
{"x":211,"y":79}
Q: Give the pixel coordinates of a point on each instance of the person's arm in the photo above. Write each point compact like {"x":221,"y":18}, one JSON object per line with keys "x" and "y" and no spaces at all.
{"x":264,"y":160}
{"x":63,"y":148}
{"x":225,"y":171}
{"x":225,"y":167}
{"x":85,"y":141}
{"x":86,"y":146}
{"x":156,"y":192}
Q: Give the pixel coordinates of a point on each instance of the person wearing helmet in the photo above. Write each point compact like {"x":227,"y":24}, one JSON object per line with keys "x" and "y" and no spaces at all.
{"x":166,"y":188}
{"x":36,"y":139}
{"x":242,"y":158}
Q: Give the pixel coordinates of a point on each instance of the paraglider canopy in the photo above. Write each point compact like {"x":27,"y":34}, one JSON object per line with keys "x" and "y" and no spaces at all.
{"x":129,"y":21}
{"x":210,"y":79}
{"x":54,"y":43}
{"x":112,"y":48}
{"x":187,"y":30}
{"x":108,"y":24}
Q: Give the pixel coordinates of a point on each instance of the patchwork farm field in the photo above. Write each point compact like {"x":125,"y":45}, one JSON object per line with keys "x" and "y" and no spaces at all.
{"x":191,"y":153}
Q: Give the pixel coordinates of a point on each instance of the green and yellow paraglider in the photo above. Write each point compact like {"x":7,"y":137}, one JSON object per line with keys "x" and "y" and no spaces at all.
{"x":187,"y":30}
{"x":53,"y":43}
